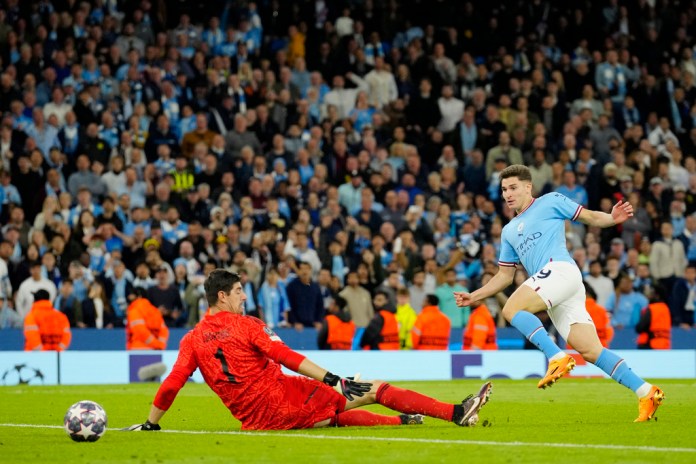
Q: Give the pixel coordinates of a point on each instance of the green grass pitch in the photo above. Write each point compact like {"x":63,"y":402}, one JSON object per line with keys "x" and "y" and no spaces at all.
{"x":578,"y":420}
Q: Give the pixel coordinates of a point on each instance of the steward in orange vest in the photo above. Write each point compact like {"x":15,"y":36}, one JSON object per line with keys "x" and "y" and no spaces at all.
{"x":432,"y":328}
{"x":480,"y":330}
{"x":337,"y":330}
{"x":145,"y":329}
{"x":46,"y":328}
{"x":599,"y":316}
{"x":655,"y":324}
{"x":382,"y":333}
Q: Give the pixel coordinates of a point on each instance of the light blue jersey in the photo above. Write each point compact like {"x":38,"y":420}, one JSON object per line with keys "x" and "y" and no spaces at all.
{"x":537,"y":235}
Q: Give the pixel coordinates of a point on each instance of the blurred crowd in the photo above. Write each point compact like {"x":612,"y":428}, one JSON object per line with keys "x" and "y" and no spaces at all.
{"x":325,"y":149}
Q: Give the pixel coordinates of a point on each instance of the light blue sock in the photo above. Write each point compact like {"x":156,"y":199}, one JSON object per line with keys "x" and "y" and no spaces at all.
{"x":618,"y":369}
{"x":532,"y":328}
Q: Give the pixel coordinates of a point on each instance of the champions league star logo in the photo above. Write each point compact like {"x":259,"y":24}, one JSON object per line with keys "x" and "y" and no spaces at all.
{"x":21,"y":374}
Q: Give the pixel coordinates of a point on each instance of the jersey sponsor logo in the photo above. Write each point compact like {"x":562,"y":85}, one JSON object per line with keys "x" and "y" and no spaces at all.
{"x":271,"y":334}
{"x":528,"y":243}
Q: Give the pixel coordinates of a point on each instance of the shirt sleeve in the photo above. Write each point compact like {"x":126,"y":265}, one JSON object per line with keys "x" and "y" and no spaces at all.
{"x":508,"y":256}
{"x":564,"y":207}
{"x":182,"y":370}
{"x":270,"y":344}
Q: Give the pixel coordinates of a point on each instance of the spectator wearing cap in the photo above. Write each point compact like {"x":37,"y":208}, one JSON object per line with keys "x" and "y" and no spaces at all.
{"x":659,"y":195}
{"x":25,"y":293}
{"x":45,"y":328}
{"x":350,"y":193}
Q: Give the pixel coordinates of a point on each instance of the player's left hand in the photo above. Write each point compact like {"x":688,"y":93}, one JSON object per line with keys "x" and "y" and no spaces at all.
{"x":621,"y":212}
{"x":346,"y":386}
{"x":145,"y":427}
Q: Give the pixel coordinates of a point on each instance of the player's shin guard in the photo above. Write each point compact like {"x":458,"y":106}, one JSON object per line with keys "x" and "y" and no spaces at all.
{"x":532,"y":328}
{"x":356,"y":417}
{"x":618,"y":370}
{"x":411,"y":402}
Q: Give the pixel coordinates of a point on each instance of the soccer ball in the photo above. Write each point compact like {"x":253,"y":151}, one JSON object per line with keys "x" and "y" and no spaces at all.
{"x":85,"y":421}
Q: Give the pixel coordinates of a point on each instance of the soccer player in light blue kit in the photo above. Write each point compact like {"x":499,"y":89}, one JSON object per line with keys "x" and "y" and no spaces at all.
{"x":535,"y":238}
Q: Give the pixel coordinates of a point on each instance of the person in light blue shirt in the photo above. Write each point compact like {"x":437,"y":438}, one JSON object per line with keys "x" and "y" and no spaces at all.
{"x":571,"y":189}
{"x":626,"y":304}
{"x":535,"y":239}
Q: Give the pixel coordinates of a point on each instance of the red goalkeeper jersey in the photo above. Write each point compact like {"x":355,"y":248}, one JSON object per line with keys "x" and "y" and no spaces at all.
{"x":239,"y":358}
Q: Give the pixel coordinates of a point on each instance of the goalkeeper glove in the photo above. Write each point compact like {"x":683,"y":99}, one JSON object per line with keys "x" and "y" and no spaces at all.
{"x":347,"y":386}
{"x":146,"y":427}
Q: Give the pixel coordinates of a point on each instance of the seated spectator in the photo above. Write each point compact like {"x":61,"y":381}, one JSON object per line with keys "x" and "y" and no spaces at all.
{"x":46,"y":328}
{"x":96,"y":310}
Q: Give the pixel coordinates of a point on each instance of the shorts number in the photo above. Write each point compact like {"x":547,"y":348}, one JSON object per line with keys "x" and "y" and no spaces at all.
{"x":543,"y":274}
{"x":225,"y":367}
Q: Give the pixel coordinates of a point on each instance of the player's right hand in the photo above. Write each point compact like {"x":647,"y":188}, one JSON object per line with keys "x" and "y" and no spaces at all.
{"x":462,"y":298}
{"x":145,"y":427}
{"x":346,"y":386}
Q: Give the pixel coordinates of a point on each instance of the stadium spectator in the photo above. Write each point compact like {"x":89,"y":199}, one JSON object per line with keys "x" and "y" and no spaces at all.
{"x":600,"y":317}
{"x":667,"y":258}
{"x":96,"y":310}
{"x":337,"y":330}
{"x":359,"y":302}
{"x":602,"y":285}
{"x":320,"y":399}
{"x":145,"y":329}
{"x":25,"y":297}
{"x":655,"y":325}
{"x":457,"y":315}
{"x":306,"y":305}
{"x":625,"y":304}
{"x":45,"y":328}
{"x":382,"y":332}
{"x":479,"y":333}
{"x":405,"y":317}
{"x":166,"y":298}
{"x":431,"y":331}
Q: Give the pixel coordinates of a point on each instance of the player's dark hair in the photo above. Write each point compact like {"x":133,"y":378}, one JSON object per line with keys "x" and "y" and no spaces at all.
{"x":516,"y":170}
{"x":219,"y":280}
{"x":432,"y":300}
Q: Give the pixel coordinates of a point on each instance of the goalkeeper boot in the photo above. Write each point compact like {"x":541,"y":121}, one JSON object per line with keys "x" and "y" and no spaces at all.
{"x":411,"y":419}
{"x":471,"y":405}
{"x":556,"y":370}
{"x":648,"y":404}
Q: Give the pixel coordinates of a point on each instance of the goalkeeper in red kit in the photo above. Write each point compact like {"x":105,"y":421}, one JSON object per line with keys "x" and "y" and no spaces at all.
{"x":240,"y":359}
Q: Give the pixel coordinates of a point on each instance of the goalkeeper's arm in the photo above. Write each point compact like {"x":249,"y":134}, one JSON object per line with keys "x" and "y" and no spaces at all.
{"x":347,"y":387}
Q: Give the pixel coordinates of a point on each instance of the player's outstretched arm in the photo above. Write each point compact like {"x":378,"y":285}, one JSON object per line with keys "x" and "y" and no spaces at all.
{"x":152,"y":422}
{"x":621,"y":212}
{"x":498,"y":282}
{"x":345,"y":386}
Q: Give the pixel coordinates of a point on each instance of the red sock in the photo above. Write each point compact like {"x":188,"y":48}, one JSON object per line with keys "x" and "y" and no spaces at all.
{"x":364,"y":418}
{"x":410,"y":402}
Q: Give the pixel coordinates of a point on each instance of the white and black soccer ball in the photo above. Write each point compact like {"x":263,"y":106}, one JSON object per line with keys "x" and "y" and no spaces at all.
{"x":85,"y":421}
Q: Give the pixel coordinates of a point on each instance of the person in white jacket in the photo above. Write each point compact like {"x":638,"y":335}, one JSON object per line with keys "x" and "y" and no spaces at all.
{"x":382,"y":85}
{"x":342,"y":98}
{"x":25,"y":295}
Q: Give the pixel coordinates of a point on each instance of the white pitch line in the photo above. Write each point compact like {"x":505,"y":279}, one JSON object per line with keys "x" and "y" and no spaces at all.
{"x":655,"y":449}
